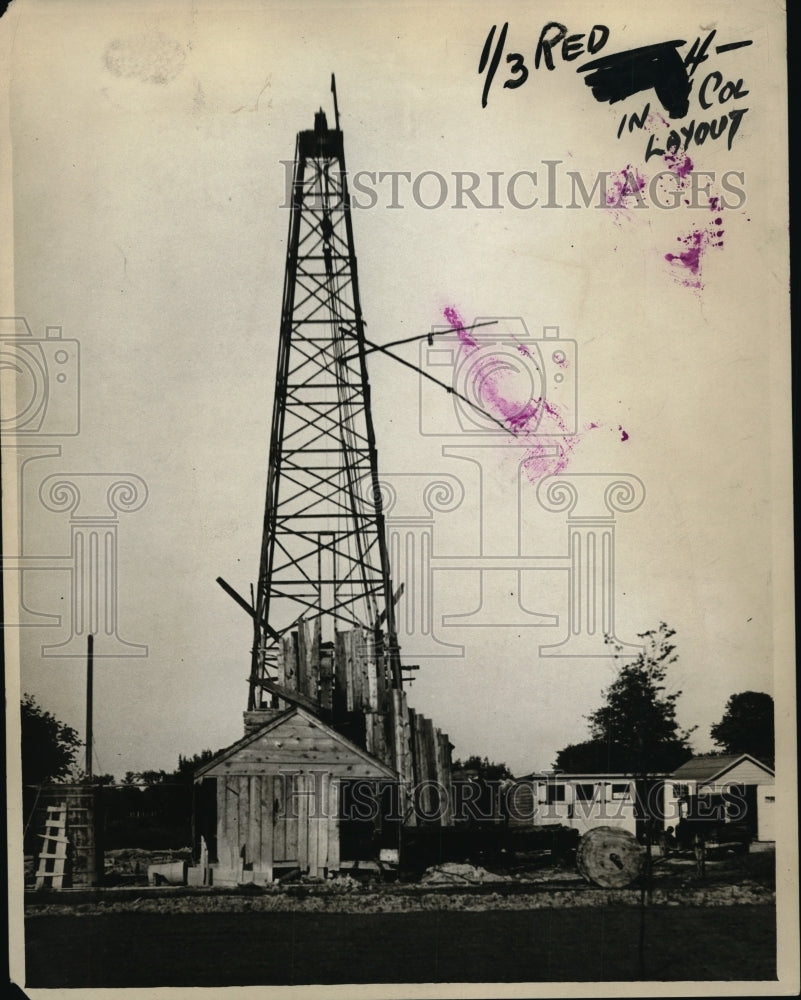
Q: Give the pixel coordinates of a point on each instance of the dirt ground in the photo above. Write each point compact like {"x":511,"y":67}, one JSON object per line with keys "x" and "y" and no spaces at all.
{"x":529,"y":921}
{"x":606,"y":943}
{"x":528,"y":883}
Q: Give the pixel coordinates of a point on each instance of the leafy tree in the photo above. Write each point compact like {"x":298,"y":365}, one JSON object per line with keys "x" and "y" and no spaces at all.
{"x":188,"y":765}
{"x":747,"y":725}
{"x":184,"y":774}
{"x":590,"y":757}
{"x":486,"y":778}
{"x":153,"y":809}
{"x":49,"y":747}
{"x":486,"y":770}
{"x":80,"y":777}
{"x":636,"y":731}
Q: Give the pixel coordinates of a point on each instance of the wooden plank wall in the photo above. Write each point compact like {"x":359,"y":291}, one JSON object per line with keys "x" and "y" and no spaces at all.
{"x":352,"y":677}
{"x":267,"y":821}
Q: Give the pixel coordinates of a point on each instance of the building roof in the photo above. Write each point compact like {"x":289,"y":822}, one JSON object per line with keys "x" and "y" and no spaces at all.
{"x":583,"y":776}
{"x":707,"y":767}
{"x":278,"y":721}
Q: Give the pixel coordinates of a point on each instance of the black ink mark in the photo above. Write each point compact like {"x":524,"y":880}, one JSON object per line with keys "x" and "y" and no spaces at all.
{"x":496,"y":58}
{"x":698,"y":53}
{"x":618,"y":76}
{"x":728,"y":48}
{"x":518,"y":66}
{"x":545,"y":44}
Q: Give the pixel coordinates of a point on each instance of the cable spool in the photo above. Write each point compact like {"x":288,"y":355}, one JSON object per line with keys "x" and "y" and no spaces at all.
{"x":610,"y":857}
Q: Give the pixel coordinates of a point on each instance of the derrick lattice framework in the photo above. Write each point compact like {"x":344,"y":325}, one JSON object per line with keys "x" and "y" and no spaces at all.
{"x":324,"y":553}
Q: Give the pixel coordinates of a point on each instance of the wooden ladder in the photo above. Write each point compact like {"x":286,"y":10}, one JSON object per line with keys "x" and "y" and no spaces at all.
{"x":54,"y":849}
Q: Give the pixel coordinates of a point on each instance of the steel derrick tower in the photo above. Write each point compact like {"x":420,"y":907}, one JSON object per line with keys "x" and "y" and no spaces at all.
{"x":324,"y":553}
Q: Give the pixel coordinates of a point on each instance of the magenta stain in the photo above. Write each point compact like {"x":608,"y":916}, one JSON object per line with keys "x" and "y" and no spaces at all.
{"x":521,"y":421}
{"x":627,"y":182}
{"x":516,"y":417}
{"x":452,"y":316}
{"x":527,"y":420}
{"x":623,"y":435}
{"x":696,"y":244}
{"x":625,"y":185}
{"x":680,"y":163}
{"x":691,"y":258}
{"x":538,"y":466}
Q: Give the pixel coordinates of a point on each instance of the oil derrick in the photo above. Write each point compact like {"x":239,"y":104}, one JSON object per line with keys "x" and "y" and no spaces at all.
{"x":326,"y":682}
{"x":324,"y":554}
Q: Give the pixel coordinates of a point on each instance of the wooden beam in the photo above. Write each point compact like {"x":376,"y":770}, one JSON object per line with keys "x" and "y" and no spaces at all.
{"x":267,"y":821}
{"x":246,"y":607}
{"x":293,"y":697}
{"x":395,"y":598}
{"x":333,"y":824}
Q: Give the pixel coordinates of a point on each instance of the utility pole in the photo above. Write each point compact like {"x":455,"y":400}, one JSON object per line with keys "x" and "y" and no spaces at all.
{"x":90,"y":642}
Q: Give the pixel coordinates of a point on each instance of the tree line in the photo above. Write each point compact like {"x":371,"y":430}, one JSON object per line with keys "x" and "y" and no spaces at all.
{"x":635,"y":731}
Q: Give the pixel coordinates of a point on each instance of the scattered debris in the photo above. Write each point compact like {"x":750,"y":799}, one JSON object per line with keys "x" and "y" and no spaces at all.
{"x":454,"y":872}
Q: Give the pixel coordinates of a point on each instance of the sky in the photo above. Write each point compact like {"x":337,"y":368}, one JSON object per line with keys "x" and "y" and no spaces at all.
{"x":148,"y":156}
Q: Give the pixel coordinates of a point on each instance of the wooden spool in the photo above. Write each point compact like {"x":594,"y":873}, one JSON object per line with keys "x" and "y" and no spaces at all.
{"x":609,"y":857}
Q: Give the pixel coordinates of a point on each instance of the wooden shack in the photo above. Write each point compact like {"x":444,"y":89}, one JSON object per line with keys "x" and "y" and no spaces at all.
{"x":327,"y":775}
{"x":278,"y":798}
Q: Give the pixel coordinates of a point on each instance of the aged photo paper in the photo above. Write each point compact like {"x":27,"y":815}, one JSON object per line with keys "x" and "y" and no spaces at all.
{"x":396,"y":397}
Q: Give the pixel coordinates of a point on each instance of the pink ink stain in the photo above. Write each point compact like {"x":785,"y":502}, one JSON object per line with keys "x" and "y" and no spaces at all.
{"x":624,"y":436}
{"x":624,"y":186}
{"x":676,"y":160}
{"x":688,"y":262}
{"x":524,"y":420}
{"x":679,"y":163}
{"x":691,"y":257}
{"x":538,"y":465}
{"x":452,"y":317}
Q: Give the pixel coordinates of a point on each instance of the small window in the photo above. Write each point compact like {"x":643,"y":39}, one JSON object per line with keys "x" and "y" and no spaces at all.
{"x":554,"y":793}
{"x":770,"y":798}
{"x":620,"y":792}
{"x":585,"y":793}
{"x":681,"y":791}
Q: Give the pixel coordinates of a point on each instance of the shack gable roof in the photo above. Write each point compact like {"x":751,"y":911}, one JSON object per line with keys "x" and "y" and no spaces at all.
{"x":292,"y":740}
{"x":712,"y":767}
{"x":563,"y":776}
